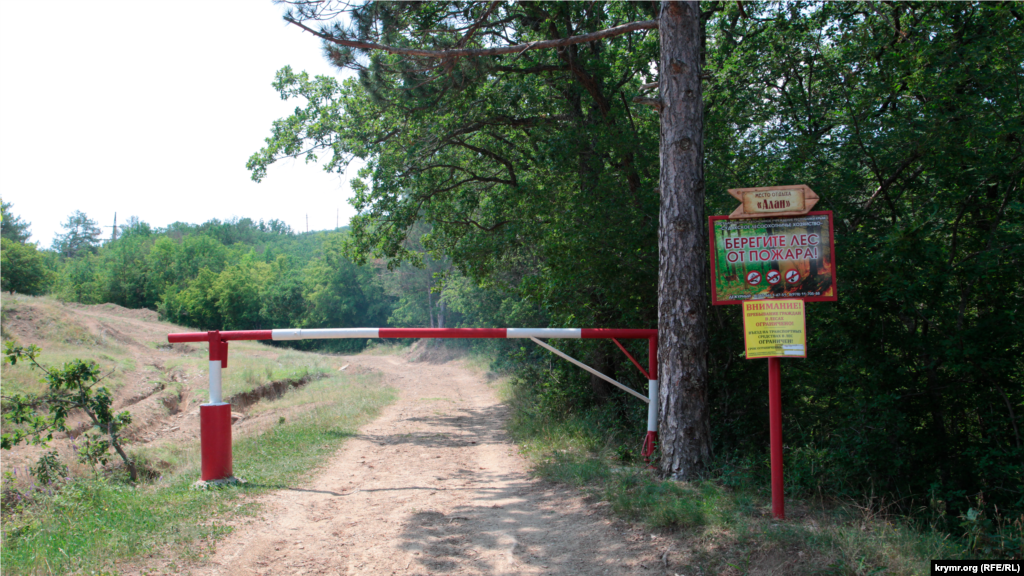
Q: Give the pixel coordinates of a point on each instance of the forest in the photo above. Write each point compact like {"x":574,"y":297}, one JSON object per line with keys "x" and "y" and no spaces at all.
{"x":523,"y":190}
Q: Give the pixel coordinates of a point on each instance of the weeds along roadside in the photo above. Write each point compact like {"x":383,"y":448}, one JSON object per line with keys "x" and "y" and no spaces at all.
{"x":724,"y":523}
{"x":96,"y":521}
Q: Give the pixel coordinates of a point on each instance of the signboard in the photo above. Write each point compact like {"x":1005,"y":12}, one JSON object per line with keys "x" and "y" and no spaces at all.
{"x":772,"y":258}
{"x":774,"y":329}
{"x":795,"y":200}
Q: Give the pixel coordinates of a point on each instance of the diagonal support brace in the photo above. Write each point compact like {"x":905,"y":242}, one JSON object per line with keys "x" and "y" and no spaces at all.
{"x":591,"y":370}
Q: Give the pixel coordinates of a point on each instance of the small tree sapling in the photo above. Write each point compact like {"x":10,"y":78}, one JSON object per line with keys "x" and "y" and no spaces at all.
{"x":73,"y":386}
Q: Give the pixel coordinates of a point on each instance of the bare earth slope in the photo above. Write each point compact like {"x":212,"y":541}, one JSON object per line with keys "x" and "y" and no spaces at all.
{"x":433,"y":486}
{"x":147,"y":385}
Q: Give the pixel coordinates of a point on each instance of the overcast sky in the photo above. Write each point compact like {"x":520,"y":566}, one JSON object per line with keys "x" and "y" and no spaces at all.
{"x":151,"y":108}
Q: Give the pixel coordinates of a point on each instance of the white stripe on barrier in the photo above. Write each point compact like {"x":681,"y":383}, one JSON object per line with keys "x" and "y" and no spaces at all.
{"x":320,"y":333}
{"x":215,"y":387}
{"x":543,"y":332}
{"x":652,"y":408}
{"x":591,"y":370}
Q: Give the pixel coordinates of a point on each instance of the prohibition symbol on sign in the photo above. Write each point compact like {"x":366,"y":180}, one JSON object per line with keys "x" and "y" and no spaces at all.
{"x":774,"y":276}
{"x":792,"y":276}
{"x":753,"y":277}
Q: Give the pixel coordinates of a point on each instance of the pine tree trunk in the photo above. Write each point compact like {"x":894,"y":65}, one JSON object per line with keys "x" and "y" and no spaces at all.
{"x":682,"y":246}
{"x":430,"y":306}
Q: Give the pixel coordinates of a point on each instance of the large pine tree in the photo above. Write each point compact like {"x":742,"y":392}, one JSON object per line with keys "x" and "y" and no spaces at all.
{"x":510,"y":128}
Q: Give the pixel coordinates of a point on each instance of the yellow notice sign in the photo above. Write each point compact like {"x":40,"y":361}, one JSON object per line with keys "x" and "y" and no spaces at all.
{"x":774,"y":328}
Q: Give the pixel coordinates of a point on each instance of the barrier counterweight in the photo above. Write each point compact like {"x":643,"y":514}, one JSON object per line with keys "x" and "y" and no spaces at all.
{"x":215,"y":417}
{"x":215,"y":440}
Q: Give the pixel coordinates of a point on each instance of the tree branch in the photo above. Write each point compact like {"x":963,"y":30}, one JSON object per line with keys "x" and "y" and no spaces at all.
{"x":652,"y":102}
{"x":464,"y":52}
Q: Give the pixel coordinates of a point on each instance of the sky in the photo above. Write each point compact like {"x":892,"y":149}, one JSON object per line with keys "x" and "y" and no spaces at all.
{"x":151,"y":109}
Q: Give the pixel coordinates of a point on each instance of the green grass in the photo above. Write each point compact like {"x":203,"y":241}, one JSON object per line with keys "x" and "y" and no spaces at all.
{"x":96,"y":525}
{"x":252,"y":365}
{"x":65,"y":339}
{"x":718,"y":528}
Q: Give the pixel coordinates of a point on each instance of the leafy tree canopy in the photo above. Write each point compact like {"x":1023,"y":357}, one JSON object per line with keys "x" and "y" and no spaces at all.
{"x":22,"y":268}
{"x":81,"y":235}
{"x":12,"y":227}
{"x":538,"y":174}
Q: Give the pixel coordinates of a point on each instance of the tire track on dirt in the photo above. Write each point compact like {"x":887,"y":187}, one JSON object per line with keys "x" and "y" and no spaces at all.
{"x":433,"y":486}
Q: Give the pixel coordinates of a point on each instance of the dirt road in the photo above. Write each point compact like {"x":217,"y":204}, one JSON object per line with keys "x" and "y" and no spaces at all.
{"x":433,"y":486}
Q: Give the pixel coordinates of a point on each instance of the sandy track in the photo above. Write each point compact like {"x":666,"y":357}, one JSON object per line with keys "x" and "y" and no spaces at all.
{"x":433,"y":486}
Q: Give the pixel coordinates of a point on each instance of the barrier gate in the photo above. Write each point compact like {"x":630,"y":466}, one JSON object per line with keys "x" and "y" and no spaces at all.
{"x":215,"y":417}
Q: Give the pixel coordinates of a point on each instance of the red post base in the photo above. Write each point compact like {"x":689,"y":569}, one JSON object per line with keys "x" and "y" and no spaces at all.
{"x":215,"y":440}
{"x":650,"y":443}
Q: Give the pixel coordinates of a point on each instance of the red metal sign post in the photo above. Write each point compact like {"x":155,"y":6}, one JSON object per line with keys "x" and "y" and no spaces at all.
{"x":790,"y":254}
{"x":775,"y":427}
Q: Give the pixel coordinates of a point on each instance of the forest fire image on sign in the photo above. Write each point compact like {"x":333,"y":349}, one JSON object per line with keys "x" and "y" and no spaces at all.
{"x":792,"y":258}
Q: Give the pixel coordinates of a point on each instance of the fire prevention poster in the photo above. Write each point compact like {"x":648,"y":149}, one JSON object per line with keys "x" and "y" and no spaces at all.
{"x":773,"y":258}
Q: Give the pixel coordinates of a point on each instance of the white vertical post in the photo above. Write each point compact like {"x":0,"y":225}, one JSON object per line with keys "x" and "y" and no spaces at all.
{"x":215,"y":388}
{"x":652,"y":408}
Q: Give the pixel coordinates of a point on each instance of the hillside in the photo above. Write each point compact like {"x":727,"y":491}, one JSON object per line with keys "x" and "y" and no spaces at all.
{"x":162,"y":385}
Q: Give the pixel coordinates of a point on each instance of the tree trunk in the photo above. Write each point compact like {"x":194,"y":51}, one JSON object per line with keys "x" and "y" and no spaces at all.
{"x":430,"y":306}
{"x":442,"y":309}
{"x":682,"y":306}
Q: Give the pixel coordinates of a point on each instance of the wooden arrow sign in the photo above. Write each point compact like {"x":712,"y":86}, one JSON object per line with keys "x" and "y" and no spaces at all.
{"x":773,"y":201}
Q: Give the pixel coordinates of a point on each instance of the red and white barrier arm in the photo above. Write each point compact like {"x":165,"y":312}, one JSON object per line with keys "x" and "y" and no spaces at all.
{"x":330,"y":333}
{"x":216,"y":416}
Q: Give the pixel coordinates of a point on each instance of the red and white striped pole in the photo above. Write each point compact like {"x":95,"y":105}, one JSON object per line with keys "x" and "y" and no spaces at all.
{"x":651,"y":441}
{"x":215,"y":417}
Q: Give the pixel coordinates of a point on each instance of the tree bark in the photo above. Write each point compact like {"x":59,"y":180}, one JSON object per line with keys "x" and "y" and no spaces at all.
{"x":682,"y":307}
{"x":442,"y":309}
{"x":430,"y":306}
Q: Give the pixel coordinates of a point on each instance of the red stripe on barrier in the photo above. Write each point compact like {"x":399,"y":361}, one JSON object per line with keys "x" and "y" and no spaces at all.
{"x":442,"y":333}
{"x":631,"y":359}
{"x":232,"y":335}
{"x":626,"y":333}
{"x":248,"y":335}
{"x":652,"y":357}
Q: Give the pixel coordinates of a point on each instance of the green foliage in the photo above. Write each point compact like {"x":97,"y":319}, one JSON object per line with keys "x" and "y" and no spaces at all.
{"x":988,"y":537}
{"x":526,"y":185}
{"x":22,"y":269}
{"x":92,"y":449}
{"x":35,"y":418}
{"x":907,"y":120}
{"x":12,"y":227}
{"x":339,"y":293}
{"x":49,"y":470}
{"x":79,"y":280}
{"x":94,"y":524}
{"x":81,"y":235}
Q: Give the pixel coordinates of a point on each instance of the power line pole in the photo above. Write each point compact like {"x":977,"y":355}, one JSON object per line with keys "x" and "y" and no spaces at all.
{"x":113,"y":231}
{"x":307,"y":223}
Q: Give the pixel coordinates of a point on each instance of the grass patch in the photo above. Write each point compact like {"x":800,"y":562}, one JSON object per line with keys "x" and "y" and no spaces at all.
{"x":252,"y":365}
{"x":93,"y":524}
{"x":717,"y":528}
